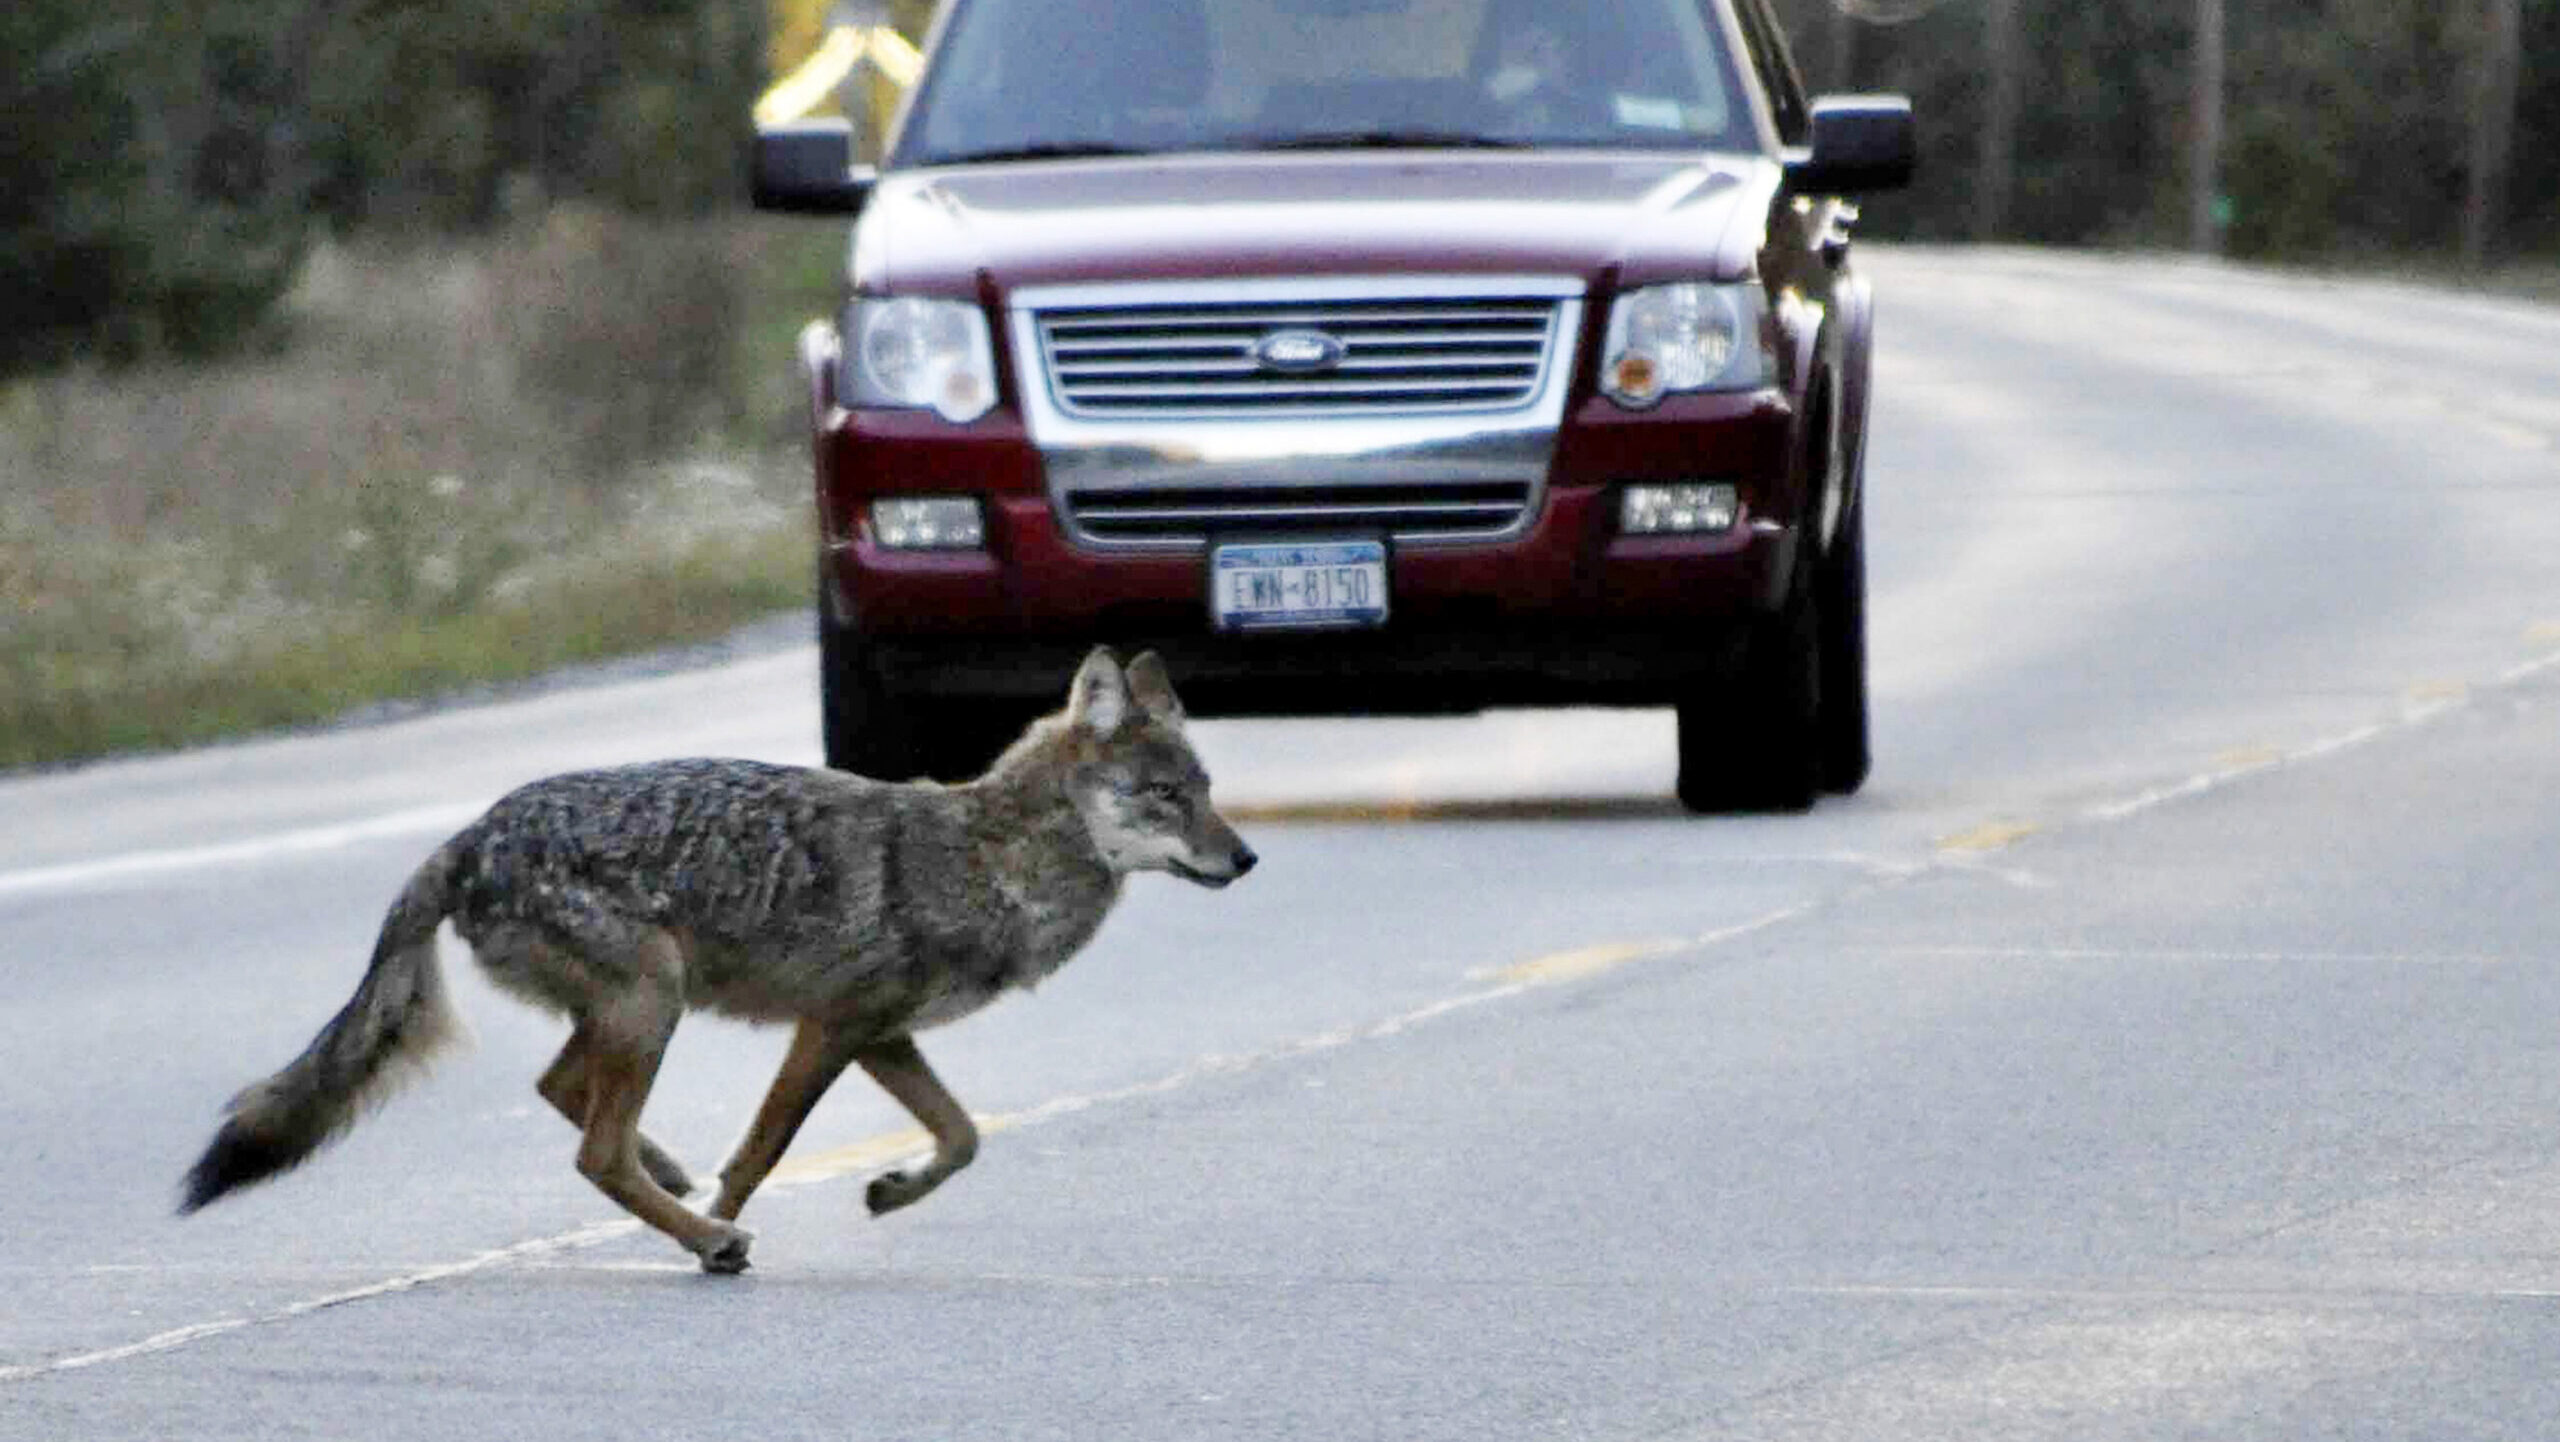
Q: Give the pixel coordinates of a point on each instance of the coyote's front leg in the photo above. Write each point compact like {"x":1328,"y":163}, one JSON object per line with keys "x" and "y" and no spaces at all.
{"x":817,"y":1057}
{"x":901,"y":1071}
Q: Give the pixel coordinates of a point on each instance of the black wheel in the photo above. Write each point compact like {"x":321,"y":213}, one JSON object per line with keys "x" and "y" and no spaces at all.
{"x":1756,"y":743}
{"x":1847,"y":755}
{"x":961,"y":739}
{"x":868,"y":731}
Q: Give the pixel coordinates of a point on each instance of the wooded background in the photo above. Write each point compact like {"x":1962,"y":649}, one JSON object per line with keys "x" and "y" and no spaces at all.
{"x":168,"y":163}
{"x":2347,"y":129}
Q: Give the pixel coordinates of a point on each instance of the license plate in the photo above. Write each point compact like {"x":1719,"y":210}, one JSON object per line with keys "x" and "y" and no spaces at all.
{"x":1298,"y":586}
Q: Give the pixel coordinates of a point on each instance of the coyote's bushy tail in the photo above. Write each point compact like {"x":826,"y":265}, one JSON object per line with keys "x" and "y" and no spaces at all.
{"x":394,"y":1024}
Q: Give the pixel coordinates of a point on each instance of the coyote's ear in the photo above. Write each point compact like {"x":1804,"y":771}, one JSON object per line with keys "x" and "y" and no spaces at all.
{"x":1151,"y":686}
{"x":1099,"y":700}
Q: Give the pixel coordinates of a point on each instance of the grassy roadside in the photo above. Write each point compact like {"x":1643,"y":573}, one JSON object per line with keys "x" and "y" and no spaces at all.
{"x":67,"y":706}
{"x":578,"y":442}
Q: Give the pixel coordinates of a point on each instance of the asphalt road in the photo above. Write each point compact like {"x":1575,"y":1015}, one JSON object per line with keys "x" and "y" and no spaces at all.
{"x":2162,"y":1046}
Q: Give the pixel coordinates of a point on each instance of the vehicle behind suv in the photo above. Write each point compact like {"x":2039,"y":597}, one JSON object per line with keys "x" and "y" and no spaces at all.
{"x":1360,"y":356}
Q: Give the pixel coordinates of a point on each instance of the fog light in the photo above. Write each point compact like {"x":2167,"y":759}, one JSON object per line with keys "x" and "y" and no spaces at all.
{"x":1681,"y":508}
{"x":928,"y":523}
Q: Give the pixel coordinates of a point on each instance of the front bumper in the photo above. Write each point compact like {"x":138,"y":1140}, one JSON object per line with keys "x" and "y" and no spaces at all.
{"x":1563,"y":610}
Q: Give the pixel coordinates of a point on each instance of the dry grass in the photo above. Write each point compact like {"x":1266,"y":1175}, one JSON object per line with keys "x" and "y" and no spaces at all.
{"x":462,"y":468}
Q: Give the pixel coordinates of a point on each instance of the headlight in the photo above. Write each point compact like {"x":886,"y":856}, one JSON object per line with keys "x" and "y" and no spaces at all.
{"x":912,"y":352}
{"x":1689,"y":337}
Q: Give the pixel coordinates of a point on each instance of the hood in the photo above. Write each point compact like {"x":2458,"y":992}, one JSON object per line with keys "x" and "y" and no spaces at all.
{"x":1215,"y":216}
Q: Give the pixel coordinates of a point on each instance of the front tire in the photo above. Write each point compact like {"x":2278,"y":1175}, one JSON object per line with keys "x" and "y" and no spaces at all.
{"x":1847,"y":750}
{"x":1756,"y":744}
{"x":868,"y":732}
{"x":873,"y":731}
{"x":964,"y":738}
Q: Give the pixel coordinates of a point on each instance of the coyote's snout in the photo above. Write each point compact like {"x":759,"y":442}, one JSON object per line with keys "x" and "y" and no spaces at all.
{"x":861,"y":911}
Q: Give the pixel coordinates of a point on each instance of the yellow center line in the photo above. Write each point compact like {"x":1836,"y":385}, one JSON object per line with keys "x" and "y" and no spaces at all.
{"x":1990,"y":836}
{"x":2522,"y":438}
{"x":860,"y":1156}
{"x":1580,"y":962}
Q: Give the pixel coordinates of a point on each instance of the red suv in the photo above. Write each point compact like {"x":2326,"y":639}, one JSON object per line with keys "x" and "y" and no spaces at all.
{"x":1360,"y":356}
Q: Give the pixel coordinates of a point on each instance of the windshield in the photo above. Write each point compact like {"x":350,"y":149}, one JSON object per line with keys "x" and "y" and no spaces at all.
{"x":1040,"y":78}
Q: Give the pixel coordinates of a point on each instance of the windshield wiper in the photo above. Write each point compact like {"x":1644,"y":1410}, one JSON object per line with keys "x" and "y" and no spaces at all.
{"x":1380,"y":140}
{"x":1046,"y":150}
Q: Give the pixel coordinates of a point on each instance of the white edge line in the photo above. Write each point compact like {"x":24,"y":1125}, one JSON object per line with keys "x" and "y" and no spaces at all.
{"x":2529,"y":669}
{"x":165,"y":1341}
{"x":1740,"y":929}
{"x":177,"y":1337}
{"x":74,"y":875}
{"x":2409,"y":719}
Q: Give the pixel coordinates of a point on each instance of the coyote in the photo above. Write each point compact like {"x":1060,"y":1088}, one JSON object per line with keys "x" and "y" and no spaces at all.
{"x":862,"y":911}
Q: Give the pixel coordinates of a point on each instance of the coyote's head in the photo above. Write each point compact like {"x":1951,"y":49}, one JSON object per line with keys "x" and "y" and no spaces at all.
{"x":1137,"y":782}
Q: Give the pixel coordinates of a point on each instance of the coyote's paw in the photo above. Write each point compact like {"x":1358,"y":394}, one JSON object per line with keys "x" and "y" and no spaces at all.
{"x":724,"y":1251}
{"x":892,"y":1190}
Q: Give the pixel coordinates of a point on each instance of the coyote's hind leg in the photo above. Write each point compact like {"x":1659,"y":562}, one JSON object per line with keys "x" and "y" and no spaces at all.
{"x":627,"y":1036}
{"x":564,"y":1085}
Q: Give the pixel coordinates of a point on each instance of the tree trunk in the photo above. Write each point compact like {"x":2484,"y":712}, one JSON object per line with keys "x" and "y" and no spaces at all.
{"x":2496,"y":75}
{"x":1996,"y":173}
{"x":2204,"y":164}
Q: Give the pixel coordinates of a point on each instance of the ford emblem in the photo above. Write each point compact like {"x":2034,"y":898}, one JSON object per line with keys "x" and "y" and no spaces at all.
{"x":1297,"y":351}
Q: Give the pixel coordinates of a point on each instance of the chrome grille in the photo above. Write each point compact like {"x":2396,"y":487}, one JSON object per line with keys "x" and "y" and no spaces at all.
{"x":1414,"y":511}
{"x":1431,"y":355}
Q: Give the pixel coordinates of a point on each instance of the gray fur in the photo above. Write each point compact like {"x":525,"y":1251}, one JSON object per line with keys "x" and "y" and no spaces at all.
{"x":863,"y":911}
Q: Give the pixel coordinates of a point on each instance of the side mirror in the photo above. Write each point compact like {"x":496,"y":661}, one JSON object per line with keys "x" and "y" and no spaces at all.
{"x":1861,"y":143}
{"x":806,"y":167}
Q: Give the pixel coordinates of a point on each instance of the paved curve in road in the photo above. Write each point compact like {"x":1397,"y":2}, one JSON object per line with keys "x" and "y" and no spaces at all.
{"x":2162,"y":1046}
